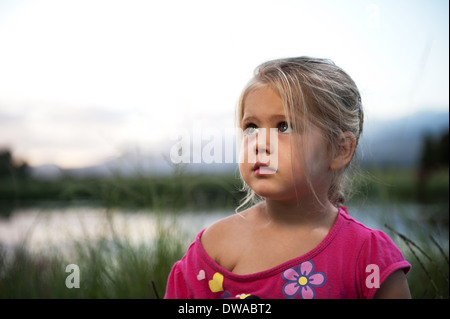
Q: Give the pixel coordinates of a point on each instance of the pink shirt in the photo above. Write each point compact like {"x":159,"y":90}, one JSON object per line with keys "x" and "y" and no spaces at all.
{"x":351,"y":262}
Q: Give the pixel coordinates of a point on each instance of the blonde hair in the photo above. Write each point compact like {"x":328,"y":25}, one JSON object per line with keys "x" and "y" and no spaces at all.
{"x":313,"y":92}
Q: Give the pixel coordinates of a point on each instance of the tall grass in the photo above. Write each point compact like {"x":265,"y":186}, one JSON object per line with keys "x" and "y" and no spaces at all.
{"x":109,"y":268}
{"x":430,"y":267}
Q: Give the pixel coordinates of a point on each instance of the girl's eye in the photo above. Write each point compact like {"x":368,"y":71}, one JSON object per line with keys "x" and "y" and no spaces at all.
{"x":250,"y":129}
{"x":284,"y":127}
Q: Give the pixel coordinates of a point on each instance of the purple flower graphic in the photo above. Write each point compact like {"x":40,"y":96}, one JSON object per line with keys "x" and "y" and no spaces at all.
{"x":301,"y":281}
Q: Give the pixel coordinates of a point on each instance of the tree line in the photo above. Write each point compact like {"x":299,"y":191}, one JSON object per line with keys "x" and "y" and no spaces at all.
{"x":12,"y":168}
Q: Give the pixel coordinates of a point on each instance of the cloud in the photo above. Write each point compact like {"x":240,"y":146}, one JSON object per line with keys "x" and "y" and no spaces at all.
{"x":55,"y":132}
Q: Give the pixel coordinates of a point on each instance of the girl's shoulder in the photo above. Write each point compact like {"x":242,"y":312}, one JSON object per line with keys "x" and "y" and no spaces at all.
{"x":230,"y":225}
{"x":220,"y":239}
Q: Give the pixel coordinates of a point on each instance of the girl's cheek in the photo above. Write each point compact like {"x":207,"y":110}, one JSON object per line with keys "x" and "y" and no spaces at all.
{"x":244,"y":152}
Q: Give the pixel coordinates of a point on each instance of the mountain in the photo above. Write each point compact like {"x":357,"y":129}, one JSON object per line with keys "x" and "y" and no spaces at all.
{"x":385,"y":143}
{"x":399,"y":142}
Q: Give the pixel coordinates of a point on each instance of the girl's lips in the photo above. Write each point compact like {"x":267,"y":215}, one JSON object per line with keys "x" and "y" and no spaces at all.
{"x":263,"y":169}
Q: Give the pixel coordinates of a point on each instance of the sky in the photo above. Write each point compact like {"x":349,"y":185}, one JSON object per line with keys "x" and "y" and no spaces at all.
{"x":84,"y":81}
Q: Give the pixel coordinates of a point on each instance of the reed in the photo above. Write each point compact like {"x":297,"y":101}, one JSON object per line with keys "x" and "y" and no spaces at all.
{"x":430,"y":267}
{"x":109,"y":268}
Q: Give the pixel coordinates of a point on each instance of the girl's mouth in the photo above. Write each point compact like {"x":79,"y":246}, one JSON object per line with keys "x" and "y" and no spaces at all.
{"x":263,"y":169}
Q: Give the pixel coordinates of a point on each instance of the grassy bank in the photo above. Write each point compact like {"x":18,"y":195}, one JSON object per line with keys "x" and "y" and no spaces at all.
{"x":173,"y":192}
{"x":185,"y":191}
{"x":388,"y":185}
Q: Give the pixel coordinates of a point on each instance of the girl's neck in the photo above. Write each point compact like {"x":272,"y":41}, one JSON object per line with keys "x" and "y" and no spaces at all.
{"x":298,"y":214}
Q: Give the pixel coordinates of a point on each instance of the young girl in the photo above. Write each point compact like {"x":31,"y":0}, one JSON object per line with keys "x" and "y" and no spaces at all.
{"x":297,"y":240}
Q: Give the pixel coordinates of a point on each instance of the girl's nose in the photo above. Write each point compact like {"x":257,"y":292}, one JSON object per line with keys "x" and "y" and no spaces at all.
{"x":265,"y":141}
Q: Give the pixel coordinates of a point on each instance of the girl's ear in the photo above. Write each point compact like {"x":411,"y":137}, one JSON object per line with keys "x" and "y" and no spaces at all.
{"x":346,"y":147}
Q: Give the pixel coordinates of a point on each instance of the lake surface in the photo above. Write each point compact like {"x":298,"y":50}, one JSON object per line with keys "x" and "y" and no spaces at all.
{"x":42,"y":229}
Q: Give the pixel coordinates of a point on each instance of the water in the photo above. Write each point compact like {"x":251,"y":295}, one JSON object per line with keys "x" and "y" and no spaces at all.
{"x":43,"y":229}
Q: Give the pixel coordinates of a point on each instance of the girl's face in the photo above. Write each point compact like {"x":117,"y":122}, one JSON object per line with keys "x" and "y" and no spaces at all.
{"x":270,"y":166}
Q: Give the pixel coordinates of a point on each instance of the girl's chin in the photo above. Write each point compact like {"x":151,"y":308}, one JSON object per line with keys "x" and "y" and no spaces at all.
{"x":271,"y":193}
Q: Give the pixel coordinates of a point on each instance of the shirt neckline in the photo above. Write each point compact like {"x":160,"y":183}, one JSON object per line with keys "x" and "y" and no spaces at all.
{"x":279,"y":268}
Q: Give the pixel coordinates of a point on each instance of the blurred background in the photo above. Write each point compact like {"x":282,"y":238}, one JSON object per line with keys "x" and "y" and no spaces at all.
{"x":94,"y":94}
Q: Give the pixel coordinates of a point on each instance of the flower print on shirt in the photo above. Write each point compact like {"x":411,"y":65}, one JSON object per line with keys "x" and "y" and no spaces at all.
{"x":302,"y":281}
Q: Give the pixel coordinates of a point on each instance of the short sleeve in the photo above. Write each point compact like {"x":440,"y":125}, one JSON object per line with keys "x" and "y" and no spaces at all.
{"x":188,"y":277}
{"x":378,"y":259}
{"x":176,"y":286}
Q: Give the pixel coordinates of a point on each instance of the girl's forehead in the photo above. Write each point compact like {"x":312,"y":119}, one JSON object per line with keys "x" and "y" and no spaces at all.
{"x":263,"y":100}
{"x":264,"y":92}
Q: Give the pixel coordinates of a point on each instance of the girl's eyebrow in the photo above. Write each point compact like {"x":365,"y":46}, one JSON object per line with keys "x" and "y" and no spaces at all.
{"x":272,"y":118}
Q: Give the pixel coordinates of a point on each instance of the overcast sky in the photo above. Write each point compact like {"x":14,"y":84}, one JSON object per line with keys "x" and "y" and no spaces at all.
{"x":82,"y":81}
